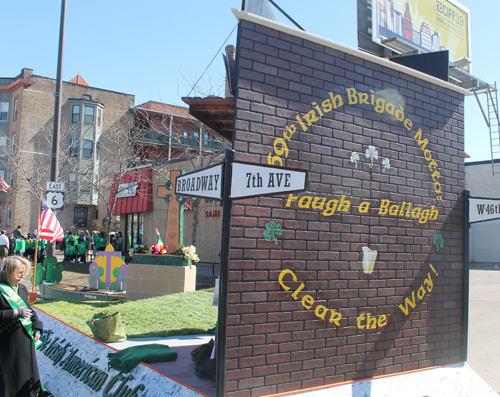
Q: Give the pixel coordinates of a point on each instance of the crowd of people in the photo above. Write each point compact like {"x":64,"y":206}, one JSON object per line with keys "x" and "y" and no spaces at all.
{"x":80,"y":246}
{"x":23,"y":245}
{"x":77,"y":246}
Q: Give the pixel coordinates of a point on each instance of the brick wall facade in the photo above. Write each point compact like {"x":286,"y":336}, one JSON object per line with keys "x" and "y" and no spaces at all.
{"x":300,"y":306}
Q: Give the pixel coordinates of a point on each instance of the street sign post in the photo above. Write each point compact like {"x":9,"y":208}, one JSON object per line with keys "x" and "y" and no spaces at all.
{"x":228,"y":181}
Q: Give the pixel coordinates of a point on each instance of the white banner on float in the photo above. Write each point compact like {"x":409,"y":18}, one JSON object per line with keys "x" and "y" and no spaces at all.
{"x":74,"y":364}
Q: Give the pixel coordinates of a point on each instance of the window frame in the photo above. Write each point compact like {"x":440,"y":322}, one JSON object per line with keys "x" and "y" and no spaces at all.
{"x":4,"y":115}
{"x":16,"y":104}
{"x":82,"y":219}
{"x":73,"y":147}
{"x":85,"y":149}
{"x":86,"y":116}
{"x":77,"y":114}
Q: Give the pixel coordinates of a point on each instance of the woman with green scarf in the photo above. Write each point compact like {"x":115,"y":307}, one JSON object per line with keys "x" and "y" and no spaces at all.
{"x":20,"y":329}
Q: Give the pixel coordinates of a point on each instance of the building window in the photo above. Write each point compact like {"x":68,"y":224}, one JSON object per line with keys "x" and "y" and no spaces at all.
{"x":3,"y":146}
{"x":80,"y":218}
{"x":9,"y":214}
{"x":75,"y":114}
{"x":87,"y":148}
{"x":13,"y":141}
{"x":89,"y":115}
{"x":16,"y":103}
{"x":73,"y":148}
{"x":99,"y":117}
{"x":11,"y":178}
{"x":2,"y":174}
{"x":4,"y":111}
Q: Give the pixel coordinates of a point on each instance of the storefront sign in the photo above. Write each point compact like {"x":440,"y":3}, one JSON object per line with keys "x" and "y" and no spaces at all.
{"x":127,"y":189}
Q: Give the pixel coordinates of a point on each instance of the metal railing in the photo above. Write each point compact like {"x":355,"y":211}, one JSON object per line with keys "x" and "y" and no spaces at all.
{"x":188,"y":142}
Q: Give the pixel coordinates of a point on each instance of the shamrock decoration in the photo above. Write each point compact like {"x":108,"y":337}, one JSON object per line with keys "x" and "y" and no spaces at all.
{"x":355,"y":159}
{"x":438,"y":241}
{"x":372,"y":154}
{"x":272,"y":229}
{"x":386,"y":164}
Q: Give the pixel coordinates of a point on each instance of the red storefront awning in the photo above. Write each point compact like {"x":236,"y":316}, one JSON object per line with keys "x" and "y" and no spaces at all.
{"x":135,"y":191}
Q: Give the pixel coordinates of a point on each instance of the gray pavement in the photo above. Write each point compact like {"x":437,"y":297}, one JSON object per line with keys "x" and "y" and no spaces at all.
{"x":484,"y":323}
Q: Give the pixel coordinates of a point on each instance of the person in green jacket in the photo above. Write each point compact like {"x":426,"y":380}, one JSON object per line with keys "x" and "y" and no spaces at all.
{"x":100,"y":243}
{"x":82,"y":249}
{"x":30,"y":248}
{"x":71,"y":251}
{"x":42,"y":249}
{"x":20,"y":246}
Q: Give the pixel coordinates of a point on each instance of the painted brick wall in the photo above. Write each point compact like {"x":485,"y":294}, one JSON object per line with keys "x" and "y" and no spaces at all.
{"x":277,"y":338}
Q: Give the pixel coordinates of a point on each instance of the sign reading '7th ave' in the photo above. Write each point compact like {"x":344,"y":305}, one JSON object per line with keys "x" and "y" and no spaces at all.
{"x":247,"y":180}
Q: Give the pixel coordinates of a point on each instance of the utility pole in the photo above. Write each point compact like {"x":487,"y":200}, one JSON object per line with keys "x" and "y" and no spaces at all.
{"x":54,"y":164}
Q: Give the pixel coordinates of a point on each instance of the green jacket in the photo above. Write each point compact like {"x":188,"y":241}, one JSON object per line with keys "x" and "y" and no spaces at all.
{"x":100,"y":243}
{"x":30,"y":244}
{"x":82,"y":247}
{"x":20,"y":245}
{"x":71,"y":249}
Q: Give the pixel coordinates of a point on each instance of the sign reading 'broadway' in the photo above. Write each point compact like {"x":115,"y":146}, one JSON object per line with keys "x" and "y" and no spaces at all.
{"x":247,"y":180}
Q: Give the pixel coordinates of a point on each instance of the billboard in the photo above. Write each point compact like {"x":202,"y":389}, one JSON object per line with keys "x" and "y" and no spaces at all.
{"x":431,"y":25}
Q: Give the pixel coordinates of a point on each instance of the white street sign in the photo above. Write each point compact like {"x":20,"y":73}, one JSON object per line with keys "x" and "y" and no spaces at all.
{"x":483,"y":209}
{"x":250,"y":180}
{"x":204,"y":183}
{"x":55,"y":200}
{"x":55,"y":186}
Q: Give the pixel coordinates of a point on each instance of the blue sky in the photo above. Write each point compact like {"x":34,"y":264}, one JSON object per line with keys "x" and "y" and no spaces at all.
{"x":154,"y":49}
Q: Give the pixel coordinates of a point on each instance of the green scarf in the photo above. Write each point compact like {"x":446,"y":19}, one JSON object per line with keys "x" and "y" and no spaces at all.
{"x":16,"y":302}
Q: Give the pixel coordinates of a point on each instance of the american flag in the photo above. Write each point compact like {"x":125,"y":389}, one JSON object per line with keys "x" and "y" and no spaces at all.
{"x":3,"y":186}
{"x":50,"y":228}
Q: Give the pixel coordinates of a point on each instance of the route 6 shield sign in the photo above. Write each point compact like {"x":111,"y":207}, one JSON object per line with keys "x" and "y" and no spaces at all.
{"x":55,"y":200}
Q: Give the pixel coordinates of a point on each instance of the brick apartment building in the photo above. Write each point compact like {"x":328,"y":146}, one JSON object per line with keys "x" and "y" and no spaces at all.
{"x":27,"y":103}
{"x":26,"y":123}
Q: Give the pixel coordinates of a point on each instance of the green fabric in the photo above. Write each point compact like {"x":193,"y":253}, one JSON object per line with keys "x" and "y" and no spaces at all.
{"x":16,"y":302}
{"x":30,"y":244}
{"x":107,"y":327}
{"x":126,"y":359}
{"x":20,"y":245}
{"x":100,"y":243}
{"x":42,"y":243}
{"x":82,"y":247}
{"x":70,"y":250}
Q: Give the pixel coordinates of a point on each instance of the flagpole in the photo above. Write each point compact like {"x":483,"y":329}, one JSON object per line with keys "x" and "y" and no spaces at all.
{"x":36,"y":243}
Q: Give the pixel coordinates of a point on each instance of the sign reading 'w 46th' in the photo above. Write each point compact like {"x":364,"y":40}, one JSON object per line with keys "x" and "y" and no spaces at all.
{"x":483,"y":209}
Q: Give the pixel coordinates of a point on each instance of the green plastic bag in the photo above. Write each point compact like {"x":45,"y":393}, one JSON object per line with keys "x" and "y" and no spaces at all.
{"x":107,"y":327}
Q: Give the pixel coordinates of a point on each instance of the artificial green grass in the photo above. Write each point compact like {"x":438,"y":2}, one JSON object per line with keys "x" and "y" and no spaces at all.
{"x":185,"y":313}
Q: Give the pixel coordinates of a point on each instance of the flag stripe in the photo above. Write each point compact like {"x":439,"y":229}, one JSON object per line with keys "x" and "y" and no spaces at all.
{"x":50,"y":228}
